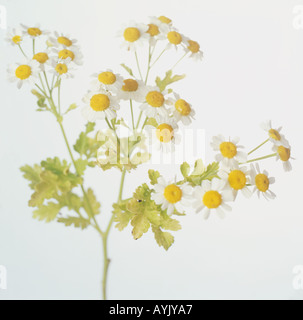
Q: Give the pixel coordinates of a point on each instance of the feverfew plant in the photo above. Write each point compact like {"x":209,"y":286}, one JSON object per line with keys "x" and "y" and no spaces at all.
{"x":156,"y":113}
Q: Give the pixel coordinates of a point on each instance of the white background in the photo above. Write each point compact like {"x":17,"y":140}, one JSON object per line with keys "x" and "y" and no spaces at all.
{"x":252,"y":71}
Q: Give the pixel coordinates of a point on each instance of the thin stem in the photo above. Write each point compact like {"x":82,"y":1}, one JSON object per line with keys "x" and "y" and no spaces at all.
{"x":179,"y":60}
{"x":59,"y":97}
{"x":105,"y":240}
{"x":22,"y":50}
{"x":158,"y":58}
{"x":46,"y":80}
{"x":34,"y":46}
{"x":139,"y":119}
{"x":148,"y":64}
{"x":258,"y":147}
{"x":139,"y":69}
{"x":132,"y":113}
{"x":262,"y":158}
{"x":41,"y":89}
{"x":42,"y":83}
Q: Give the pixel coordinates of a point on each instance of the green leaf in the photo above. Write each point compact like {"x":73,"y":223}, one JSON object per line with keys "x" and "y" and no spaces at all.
{"x":199,"y":168}
{"x":37,"y":94}
{"x":153,"y":176}
{"x":152,"y":122}
{"x":71,"y":107}
{"x":32,"y":174}
{"x":81,"y":166}
{"x":171,"y":224}
{"x":122,"y":217}
{"x":141,"y":226}
{"x":164,"y":239}
{"x":90,"y":127}
{"x":71,"y":201}
{"x":211,"y":171}
{"x":41,"y":103}
{"x":77,"y":222}
{"x":47,"y":212}
{"x":185,"y":168}
{"x":93,"y":205}
{"x":128,"y":69}
{"x":167,"y":80}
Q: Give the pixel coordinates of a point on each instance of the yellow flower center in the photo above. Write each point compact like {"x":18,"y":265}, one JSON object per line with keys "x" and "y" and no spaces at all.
{"x":173,"y":193}
{"x":284,"y":153}
{"x":274,"y":134}
{"x":237,"y":179}
{"x":153,"y":30}
{"x":132,"y":34}
{"x":107,"y":77}
{"x":155,"y":99}
{"x":193,"y":46}
{"x":34,"y":32}
{"x":262,"y":182}
{"x":165,"y":133}
{"x":183,"y":107}
{"x":64,"y":54}
{"x":61,"y":68}
{"x":17,"y":39}
{"x":130,"y":85}
{"x":228,"y":150}
{"x":174,"y":37}
{"x":65,"y":41}
{"x":212,"y":199}
{"x":100,"y":102}
{"x":41,"y":57}
{"x":23,"y":72}
{"x":164,"y":19}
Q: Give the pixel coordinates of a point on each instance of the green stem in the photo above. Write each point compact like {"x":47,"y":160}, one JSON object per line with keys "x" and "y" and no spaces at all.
{"x":22,"y":50}
{"x":34,"y":45}
{"x":139,"y":119}
{"x":105,"y":241}
{"x":132,"y":113}
{"x":158,"y":57}
{"x":179,"y":60}
{"x":139,"y":69}
{"x":258,"y":147}
{"x":262,"y":158}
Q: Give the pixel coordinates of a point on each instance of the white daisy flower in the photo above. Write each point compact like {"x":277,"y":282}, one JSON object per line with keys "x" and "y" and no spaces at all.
{"x":132,"y":89}
{"x":237,"y":179}
{"x":134,"y":35}
{"x":275,"y":135}
{"x":108,"y":80}
{"x":62,"y":40}
{"x":229,"y":155}
{"x":261,"y":182}
{"x":43,"y":58}
{"x":175,"y":39}
{"x":182,"y":110}
{"x":14,"y":36}
{"x":61,"y":68}
{"x":155,"y":103}
{"x":284,"y":154}
{"x":165,"y":136}
{"x":73,"y":53}
{"x":193,"y":48}
{"x":156,"y":30}
{"x":162,"y":21}
{"x":212,"y":197}
{"x":35,"y":31}
{"x":171,"y":196}
{"x":26,"y":72}
{"x":99,"y":106}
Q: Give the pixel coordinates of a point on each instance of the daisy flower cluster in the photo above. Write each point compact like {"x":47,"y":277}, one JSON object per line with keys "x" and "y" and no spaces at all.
{"x":154,"y":107}
{"x":213,"y":189}
{"x":54,"y":54}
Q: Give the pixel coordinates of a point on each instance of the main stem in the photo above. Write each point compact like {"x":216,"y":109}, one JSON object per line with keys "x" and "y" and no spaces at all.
{"x":105,"y":240}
